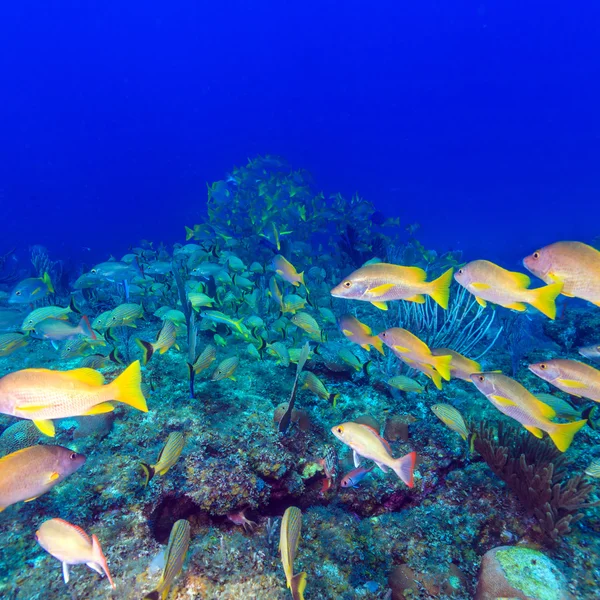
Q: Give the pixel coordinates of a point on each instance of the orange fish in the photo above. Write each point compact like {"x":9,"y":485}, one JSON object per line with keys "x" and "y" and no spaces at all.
{"x":573,"y":264}
{"x":461,"y":367}
{"x":490,"y":283}
{"x":287,"y":271}
{"x":359,"y":333}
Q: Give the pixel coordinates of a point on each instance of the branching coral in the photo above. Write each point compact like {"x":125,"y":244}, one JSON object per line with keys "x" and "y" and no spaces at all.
{"x":538,"y":474}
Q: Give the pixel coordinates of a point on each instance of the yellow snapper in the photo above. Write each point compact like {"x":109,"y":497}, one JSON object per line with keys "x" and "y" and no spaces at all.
{"x":490,"y":283}
{"x":28,"y":473}
{"x":570,"y":376}
{"x":287,"y":271}
{"x":448,"y":415}
{"x":43,"y":394}
{"x":513,"y":400}
{"x":367,"y":443}
{"x":179,"y":542}
{"x":359,"y":333}
{"x":167,"y":457}
{"x":380,"y":282}
{"x":291,"y":526}
{"x":72,"y":546}
{"x":461,"y":367}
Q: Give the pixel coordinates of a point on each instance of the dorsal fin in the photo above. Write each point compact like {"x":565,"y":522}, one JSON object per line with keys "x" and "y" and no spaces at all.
{"x":373,"y":430}
{"x":80,"y":531}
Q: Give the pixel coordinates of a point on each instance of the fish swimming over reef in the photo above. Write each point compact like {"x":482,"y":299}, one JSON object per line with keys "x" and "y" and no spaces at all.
{"x":592,"y":352}
{"x":330,"y":467}
{"x":226,"y":368}
{"x":287,"y":271}
{"x":291,"y":525}
{"x":31,"y":290}
{"x":381,"y":282}
{"x":574,"y":265}
{"x":448,"y":415}
{"x":311,"y":382}
{"x":10,"y":342}
{"x":354,"y":477}
{"x":43,"y":394}
{"x":179,"y":542}
{"x":461,"y":367}
{"x":71,"y":545}
{"x":367,"y":443}
{"x":167,"y":457}
{"x":165,"y":339}
{"x":490,"y":283}
{"x":28,"y":473}
{"x":513,"y":400}
{"x":46,"y":312}
{"x":58,"y":330}
{"x":359,"y":333}
{"x":405,"y":384}
{"x":570,"y":376}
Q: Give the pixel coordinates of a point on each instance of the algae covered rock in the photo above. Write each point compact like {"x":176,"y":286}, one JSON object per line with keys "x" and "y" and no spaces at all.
{"x":520,"y":572}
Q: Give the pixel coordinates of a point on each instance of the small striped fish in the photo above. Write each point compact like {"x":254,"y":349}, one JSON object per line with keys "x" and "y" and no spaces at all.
{"x":406,"y":384}
{"x":9,"y":342}
{"x":308,"y":324}
{"x":291,"y":524}
{"x":205,"y":359}
{"x":311,"y":382}
{"x":164,"y":340}
{"x":125,"y":315}
{"x":41,"y":314}
{"x":452,"y":418}
{"x":101,"y":321}
{"x":594,"y":469}
{"x":280,"y":352}
{"x":226,"y":368}
{"x":167,"y":457}
{"x":330,"y":467}
{"x":179,"y":542}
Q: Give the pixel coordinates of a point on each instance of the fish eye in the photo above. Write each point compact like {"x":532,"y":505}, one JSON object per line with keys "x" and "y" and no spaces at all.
{"x":543,"y":366}
{"x":18,"y":293}
{"x":460,"y":271}
{"x":481,"y":378}
{"x":73,"y":455}
{"x":340,"y":429}
{"x":347,"y":284}
{"x":536,"y":255}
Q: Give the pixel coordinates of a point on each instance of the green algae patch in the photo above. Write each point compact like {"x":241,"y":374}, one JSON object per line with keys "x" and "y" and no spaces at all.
{"x":532,"y":573}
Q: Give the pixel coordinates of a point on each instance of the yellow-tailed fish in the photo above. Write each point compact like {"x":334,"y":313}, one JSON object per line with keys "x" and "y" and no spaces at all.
{"x":327,"y":315}
{"x":31,"y":290}
{"x":165,"y":339}
{"x":226,"y":368}
{"x":415,"y":353}
{"x":219,"y":340}
{"x":513,"y":400}
{"x":218,"y":317}
{"x":461,"y":367}
{"x":448,"y":415}
{"x":253,"y":351}
{"x":9,"y":342}
{"x":167,"y":457}
{"x":570,"y":376}
{"x":359,"y":333}
{"x":295,"y":354}
{"x":490,"y":283}
{"x":125,"y":315}
{"x":179,"y":542}
{"x":287,"y":271}
{"x":367,"y":443}
{"x":280,"y":352}
{"x":406,"y":384}
{"x":308,"y":324}
{"x":311,"y":382}
{"x":574,"y":265}
{"x":71,"y":545}
{"x":207,"y":356}
{"x":378,"y":283}
{"x":174,"y":315}
{"x":28,"y":473}
{"x":41,"y":394}
{"x":291,"y":526}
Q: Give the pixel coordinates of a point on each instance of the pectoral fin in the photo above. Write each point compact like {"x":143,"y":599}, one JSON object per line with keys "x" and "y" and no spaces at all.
{"x":518,"y":306}
{"x":502,"y":400}
{"x":481,"y":301}
{"x":357,"y":459}
{"x":54,"y":476}
{"x":380,"y":305}
{"x":347,"y":333}
{"x":380,"y":290}
{"x":45,"y":426}
{"x":537,"y":432}
{"x":382,"y":467}
{"x":31,"y":499}
{"x":571,"y":383}
{"x":480,"y":286}
{"x":65,"y":572}
{"x":419,"y":299}
{"x":100,"y":409}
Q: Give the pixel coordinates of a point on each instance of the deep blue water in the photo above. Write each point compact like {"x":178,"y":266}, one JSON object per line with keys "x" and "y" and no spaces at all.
{"x":478,"y":120}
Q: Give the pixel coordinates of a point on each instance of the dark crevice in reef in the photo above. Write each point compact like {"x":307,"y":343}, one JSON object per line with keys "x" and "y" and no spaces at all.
{"x":171,"y":508}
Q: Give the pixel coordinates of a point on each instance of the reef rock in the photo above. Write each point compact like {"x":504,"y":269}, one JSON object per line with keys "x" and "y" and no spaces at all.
{"x":520,"y":572}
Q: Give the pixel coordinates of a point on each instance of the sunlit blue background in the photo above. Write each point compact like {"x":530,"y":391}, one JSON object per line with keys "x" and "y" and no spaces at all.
{"x":479,"y":120}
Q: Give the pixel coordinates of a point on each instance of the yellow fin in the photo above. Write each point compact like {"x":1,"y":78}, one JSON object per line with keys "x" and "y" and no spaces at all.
{"x":32,"y":407}
{"x":380,"y":290}
{"x":439,"y":289}
{"x":85,"y":375}
{"x":480,"y":286}
{"x":126,"y":387}
{"x":521,"y":279}
{"x":380,"y":305}
{"x":435,"y":377}
{"x":519,"y":306}
{"x":571,"y":383}
{"x":31,"y":499}
{"x":419,"y":299}
{"x":544,"y":299}
{"x":100,"y":409}
{"x":400,"y":349}
{"x":481,"y":301}
{"x":562,"y":434}
{"x":537,"y":432}
{"x":442,"y":365}
{"x":45,"y":426}
{"x":546,"y":410}
{"x":502,"y":400}
{"x":347,"y":332}
{"x":298,"y":585}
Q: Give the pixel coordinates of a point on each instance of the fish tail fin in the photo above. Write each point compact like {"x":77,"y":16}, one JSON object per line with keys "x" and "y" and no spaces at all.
{"x":189,"y":233}
{"x":377,"y":343}
{"x":298,"y":585}
{"x":149,"y":472}
{"x":73,"y":306}
{"x":333,"y":398}
{"x":442,"y":365}
{"x":439,"y":289}
{"x":404,"y":467}
{"x":301,"y":278}
{"x":115,"y":356}
{"x":544,"y":299}
{"x":126,"y":387}
{"x":100,"y":559}
{"x":147,"y":349}
{"x":86,"y":328}
{"x":47,"y":282}
{"x":562,"y":434}
{"x":436,"y":378}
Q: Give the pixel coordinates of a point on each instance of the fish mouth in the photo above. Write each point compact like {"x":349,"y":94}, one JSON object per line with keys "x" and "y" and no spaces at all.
{"x":336,"y":292}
